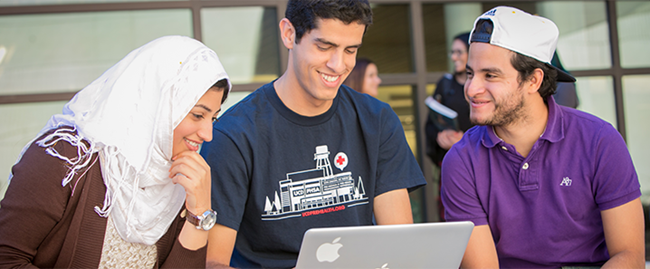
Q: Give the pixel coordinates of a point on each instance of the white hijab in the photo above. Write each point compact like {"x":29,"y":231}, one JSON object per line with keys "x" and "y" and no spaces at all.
{"x":128,"y":115}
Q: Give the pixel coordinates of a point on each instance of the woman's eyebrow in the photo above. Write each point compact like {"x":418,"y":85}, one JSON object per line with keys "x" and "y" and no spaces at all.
{"x":204,"y":107}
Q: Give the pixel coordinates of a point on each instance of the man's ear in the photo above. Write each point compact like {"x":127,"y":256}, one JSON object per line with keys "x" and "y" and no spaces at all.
{"x":287,"y":33}
{"x":535,"y":80}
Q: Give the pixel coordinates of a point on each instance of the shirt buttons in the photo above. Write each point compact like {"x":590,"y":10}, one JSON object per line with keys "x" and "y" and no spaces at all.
{"x":504,"y":148}
{"x":525,"y":167}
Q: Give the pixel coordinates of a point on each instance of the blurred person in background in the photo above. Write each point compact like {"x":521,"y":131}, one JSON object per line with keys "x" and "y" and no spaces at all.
{"x":364,"y":78}
{"x":449,"y":92}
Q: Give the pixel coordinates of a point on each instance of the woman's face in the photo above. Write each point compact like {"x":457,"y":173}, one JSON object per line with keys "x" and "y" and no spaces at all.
{"x":459,"y":56}
{"x":196,"y":127}
{"x":371,"y":80}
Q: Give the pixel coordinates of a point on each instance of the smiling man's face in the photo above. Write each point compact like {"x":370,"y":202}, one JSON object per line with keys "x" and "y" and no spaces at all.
{"x":492,"y":88}
{"x":325,"y":56}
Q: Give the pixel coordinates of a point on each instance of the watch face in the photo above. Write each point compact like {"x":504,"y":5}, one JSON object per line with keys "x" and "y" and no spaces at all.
{"x":209,"y":218}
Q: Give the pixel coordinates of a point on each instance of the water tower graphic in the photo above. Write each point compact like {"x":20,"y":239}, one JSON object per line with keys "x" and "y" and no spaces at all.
{"x":313,"y":189}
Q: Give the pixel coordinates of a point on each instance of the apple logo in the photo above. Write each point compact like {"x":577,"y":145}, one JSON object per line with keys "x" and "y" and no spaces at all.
{"x":329,"y":252}
{"x":385,"y":266}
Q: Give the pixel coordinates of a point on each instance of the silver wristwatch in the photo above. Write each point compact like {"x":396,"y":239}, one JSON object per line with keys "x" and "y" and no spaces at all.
{"x":204,"y":221}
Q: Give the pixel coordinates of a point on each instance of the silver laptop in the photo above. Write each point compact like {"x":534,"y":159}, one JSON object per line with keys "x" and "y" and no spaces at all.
{"x":423,"y":245}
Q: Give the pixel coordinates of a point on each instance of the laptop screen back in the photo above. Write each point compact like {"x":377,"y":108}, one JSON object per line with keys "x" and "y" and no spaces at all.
{"x":423,"y":245}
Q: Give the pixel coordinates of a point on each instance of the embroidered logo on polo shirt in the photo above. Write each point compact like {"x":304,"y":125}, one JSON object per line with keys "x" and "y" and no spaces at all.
{"x":566,"y":182}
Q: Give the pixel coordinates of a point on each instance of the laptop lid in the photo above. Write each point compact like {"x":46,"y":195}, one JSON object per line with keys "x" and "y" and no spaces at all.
{"x":422,"y":245}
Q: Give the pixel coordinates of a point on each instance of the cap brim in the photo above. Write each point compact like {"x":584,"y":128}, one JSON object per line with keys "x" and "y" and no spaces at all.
{"x":563,"y":76}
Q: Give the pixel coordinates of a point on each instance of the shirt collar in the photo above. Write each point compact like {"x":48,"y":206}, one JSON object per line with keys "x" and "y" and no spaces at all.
{"x":554,"y":126}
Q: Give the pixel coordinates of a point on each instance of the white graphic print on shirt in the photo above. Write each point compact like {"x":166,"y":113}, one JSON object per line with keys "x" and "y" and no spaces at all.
{"x":316,"y":191}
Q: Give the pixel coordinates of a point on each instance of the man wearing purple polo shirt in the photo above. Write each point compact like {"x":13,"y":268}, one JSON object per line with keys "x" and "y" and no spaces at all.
{"x":546,"y":186}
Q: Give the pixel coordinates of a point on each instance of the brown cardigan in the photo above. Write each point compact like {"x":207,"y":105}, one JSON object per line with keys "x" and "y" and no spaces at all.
{"x":43,"y":224}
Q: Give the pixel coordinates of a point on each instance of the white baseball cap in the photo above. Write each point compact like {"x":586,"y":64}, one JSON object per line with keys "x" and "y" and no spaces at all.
{"x":521,"y":32}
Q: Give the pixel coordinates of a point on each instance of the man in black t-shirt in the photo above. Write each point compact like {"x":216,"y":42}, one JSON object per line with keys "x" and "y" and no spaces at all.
{"x":304,"y":151}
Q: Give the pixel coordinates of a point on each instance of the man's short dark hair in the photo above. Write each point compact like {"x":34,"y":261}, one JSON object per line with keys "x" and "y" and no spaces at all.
{"x":526,"y":66}
{"x":303,"y":13}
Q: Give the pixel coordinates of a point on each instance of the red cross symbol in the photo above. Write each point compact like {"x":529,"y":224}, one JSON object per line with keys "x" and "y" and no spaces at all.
{"x":340,"y":160}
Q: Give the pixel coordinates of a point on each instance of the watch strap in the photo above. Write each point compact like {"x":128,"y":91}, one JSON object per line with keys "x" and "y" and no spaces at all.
{"x":203,"y":222}
{"x":193,"y":219}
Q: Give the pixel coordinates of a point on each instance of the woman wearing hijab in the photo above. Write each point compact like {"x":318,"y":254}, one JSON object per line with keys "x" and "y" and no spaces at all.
{"x":115,"y":180}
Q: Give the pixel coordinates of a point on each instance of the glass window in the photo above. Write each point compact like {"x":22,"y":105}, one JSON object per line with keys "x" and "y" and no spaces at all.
{"x":584,"y":35}
{"x":48,"y":53}
{"x":584,"y":32}
{"x":636,"y":96}
{"x":25,"y":122}
{"x":632,"y":16}
{"x":441,"y":24}
{"x":59,"y":2}
{"x":400,"y":98}
{"x":596,"y":96}
{"x":246,"y":40}
{"x":435,"y":40}
{"x":387,"y":41}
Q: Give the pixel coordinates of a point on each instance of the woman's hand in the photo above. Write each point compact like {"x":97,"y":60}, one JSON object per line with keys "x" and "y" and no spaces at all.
{"x":448,"y":138}
{"x":190,"y":170}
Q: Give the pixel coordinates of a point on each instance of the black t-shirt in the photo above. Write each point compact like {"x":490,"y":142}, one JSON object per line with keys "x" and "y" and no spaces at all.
{"x":276,"y":173}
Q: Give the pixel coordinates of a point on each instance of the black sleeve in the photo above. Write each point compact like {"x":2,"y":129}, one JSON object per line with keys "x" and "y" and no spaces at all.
{"x":433,"y":150}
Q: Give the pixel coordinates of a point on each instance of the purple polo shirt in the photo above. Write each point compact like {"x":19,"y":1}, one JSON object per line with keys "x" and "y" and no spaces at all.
{"x":543,"y":210}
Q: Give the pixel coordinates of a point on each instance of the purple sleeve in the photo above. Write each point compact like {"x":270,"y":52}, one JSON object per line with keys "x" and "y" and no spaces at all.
{"x":458,"y":190}
{"x":615,"y":179}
